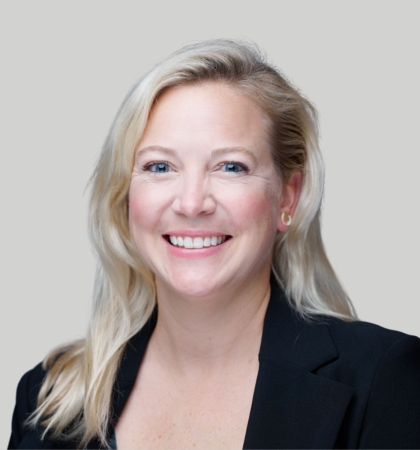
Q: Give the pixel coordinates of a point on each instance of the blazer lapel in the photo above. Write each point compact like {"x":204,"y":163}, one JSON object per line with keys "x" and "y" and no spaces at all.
{"x":129,"y":367}
{"x":126,"y":375}
{"x":292,"y":407}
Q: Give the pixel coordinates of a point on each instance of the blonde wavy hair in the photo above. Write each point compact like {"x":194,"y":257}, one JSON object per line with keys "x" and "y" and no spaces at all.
{"x":75,"y":399}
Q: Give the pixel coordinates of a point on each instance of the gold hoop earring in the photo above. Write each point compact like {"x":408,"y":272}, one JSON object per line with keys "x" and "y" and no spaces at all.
{"x":286,"y":218}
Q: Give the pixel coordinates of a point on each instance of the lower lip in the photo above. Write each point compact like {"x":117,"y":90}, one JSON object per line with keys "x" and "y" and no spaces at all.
{"x":194,"y":253}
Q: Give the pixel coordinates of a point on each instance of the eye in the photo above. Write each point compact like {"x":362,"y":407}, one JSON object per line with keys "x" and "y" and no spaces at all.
{"x":157,"y":167}
{"x":234,"y":167}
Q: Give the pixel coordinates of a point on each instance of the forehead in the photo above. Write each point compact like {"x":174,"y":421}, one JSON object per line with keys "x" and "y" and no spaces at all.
{"x":209,"y":112}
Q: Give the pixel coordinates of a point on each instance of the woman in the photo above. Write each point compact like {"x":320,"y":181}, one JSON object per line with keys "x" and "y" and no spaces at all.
{"x":218,"y":321}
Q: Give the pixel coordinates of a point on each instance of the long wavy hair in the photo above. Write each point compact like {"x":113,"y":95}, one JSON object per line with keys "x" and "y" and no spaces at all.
{"x":76,"y":395}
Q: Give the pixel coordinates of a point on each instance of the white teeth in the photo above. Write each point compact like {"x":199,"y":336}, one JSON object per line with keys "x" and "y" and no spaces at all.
{"x":188,"y":242}
{"x":196,"y":242}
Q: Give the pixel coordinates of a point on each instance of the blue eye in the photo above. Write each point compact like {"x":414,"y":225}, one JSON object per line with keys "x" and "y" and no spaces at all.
{"x":234,"y":167}
{"x":158,"y":167}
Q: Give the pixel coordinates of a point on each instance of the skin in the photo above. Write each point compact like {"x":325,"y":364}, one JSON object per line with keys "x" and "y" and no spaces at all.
{"x":203,"y":166}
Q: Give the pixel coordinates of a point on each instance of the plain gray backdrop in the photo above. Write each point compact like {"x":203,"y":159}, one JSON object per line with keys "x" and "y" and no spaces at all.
{"x":66,"y":67}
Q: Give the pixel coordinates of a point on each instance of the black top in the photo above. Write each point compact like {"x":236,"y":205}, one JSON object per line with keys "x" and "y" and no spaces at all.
{"x":324,"y":384}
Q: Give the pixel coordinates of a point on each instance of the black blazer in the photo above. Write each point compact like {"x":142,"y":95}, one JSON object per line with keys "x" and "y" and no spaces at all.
{"x":326,"y":384}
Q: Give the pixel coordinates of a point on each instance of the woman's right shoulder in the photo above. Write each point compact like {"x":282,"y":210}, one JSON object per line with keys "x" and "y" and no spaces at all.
{"x":26,"y":400}
{"x":29,"y":386}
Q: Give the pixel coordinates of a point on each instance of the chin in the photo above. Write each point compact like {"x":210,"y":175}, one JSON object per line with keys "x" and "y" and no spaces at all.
{"x":199,"y":290}
{"x":192,"y":286}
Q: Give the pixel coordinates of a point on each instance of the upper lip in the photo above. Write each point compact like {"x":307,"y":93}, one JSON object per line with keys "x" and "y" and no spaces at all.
{"x":195,"y":233}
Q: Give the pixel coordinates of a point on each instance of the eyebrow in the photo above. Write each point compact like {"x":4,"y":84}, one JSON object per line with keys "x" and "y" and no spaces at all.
{"x":223,"y":151}
{"x":157,"y":148}
{"x":216,"y":152}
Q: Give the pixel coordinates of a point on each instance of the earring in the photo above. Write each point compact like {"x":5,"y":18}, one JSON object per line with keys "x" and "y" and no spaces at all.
{"x":286,"y":218}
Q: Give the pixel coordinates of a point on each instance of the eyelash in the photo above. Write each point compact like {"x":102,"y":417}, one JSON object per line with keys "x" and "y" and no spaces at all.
{"x":149,"y":166}
{"x":242,"y":167}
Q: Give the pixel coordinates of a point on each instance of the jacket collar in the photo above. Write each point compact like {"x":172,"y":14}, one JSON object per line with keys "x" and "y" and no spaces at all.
{"x":292,"y":407}
{"x":288,"y":338}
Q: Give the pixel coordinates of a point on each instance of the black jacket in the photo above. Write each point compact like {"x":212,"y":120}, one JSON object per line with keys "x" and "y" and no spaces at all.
{"x":326,"y":384}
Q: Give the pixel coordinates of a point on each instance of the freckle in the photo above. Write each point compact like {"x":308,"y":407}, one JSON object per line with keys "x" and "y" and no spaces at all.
{"x":159,"y":436}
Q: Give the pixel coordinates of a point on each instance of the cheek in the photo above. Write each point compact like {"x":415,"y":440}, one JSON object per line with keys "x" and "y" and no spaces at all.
{"x":143,"y":210}
{"x":258,"y":210}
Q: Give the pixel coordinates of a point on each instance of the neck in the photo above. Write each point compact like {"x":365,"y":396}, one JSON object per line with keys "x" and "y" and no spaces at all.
{"x":210,"y":333}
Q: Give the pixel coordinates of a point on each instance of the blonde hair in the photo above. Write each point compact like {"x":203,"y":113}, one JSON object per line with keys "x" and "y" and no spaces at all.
{"x":75,"y":399}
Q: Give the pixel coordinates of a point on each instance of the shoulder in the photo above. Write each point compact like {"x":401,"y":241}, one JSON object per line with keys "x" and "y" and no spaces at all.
{"x":321,"y":342}
{"x":358,"y":338}
{"x":30,"y":385}
{"x":28,"y":390}
{"x":362,"y":345}
{"x":383,"y":368}
{"x":370,"y":343}
{"x":26,"y":399}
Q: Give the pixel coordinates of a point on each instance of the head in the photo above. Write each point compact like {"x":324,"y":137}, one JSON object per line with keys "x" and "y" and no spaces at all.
{"x":291,"y":131}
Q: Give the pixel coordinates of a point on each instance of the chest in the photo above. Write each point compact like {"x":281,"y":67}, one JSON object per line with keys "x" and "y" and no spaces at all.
{"x":206,"y":412}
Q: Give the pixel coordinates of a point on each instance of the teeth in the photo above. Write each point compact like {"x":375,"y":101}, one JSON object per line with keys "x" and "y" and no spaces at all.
{"x":196,"y":242}
{"x":188,"y":242}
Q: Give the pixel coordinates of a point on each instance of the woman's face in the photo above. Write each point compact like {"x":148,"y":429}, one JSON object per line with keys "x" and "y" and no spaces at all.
{"x":204,"y":200}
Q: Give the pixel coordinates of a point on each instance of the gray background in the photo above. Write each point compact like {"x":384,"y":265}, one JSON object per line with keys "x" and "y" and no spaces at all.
{"x":66,"y":67}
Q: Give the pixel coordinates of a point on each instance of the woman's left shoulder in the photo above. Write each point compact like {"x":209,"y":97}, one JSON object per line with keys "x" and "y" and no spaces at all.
{"x":375,"y":349}
{"x":383,"y":368}
{"x":358,"y":338}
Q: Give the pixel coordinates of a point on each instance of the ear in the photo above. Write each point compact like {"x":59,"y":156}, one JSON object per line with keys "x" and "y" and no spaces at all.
{"x":289,"y":198}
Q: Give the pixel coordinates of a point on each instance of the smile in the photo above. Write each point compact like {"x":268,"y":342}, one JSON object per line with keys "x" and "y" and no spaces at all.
{"x":197,"y":242}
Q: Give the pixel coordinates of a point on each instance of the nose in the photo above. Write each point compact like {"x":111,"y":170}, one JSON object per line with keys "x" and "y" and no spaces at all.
{"x":194,"y":197}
